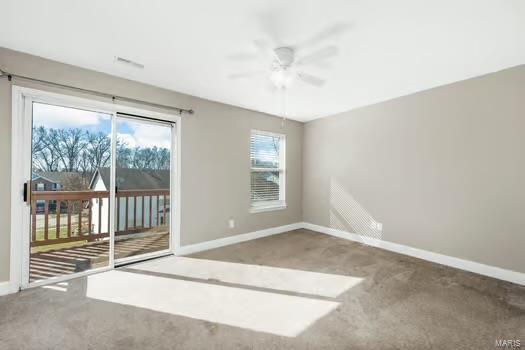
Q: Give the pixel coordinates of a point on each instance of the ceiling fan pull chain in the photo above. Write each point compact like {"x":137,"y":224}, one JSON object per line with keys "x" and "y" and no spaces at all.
{"x":283,"y":107}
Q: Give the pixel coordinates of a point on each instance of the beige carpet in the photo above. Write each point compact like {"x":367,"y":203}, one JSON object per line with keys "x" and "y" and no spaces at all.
{"x":298,"y":290}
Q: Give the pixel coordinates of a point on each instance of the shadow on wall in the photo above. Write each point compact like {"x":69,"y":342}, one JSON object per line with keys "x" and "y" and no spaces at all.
{"x":347,"y":214}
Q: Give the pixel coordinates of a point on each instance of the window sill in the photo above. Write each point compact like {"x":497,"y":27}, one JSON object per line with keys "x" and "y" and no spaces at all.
{"x":265,"y":208}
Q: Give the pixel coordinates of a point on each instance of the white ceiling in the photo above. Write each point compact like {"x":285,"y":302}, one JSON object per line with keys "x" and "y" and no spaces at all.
{"x":392,"y":48}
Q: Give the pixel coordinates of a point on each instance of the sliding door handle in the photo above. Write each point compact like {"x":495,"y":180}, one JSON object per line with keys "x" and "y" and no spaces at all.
{"x":27,"y":191}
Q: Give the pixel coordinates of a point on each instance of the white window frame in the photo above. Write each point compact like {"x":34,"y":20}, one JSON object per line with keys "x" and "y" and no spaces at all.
{"x":262,"y":206}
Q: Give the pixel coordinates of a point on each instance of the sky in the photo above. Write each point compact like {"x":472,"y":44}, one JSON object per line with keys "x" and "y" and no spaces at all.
{"x":134,"y":133}
{"x":143,"y":134}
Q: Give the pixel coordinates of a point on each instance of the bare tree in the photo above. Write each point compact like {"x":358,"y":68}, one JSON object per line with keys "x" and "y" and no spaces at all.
{"x":76,"y":150}
{"x":44,"y":158}
{"x":124,"y":154}
{"x":68,"y":145}
{"x":162,"y":160}
{"x":98,"y":150}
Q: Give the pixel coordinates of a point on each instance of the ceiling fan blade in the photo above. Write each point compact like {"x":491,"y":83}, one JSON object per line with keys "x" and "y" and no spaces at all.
{"x":331,"y":32}
{"x":324,"y":53}
{"x":266,"y":50}
{"x":321,"y":64}
{"x":310,"y":79}
{"x":255,"y":73}
{"x":273,"y":23}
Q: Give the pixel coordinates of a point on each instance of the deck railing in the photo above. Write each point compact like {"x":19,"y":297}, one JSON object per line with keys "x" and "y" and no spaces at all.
{"x":70,"y":216}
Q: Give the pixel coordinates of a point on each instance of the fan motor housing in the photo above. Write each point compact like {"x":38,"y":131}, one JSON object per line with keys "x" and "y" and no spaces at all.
{"x":286,"y":56}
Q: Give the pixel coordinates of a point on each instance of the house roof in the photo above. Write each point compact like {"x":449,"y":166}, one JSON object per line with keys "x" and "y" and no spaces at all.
{"x":57,"y":176}
{"x":134,"y":179}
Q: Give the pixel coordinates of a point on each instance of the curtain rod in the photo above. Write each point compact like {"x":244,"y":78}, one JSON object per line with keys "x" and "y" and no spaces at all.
{"x":11,"y":76}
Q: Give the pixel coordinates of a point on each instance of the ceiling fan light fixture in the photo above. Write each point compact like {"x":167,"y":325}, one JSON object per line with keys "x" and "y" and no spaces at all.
{"x":282,"y":78}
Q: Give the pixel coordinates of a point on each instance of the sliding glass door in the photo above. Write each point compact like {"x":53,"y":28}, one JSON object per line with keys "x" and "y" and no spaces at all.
{"x":70,"y":229}
{"x":142,"y":187}
{"x":100,"y":189}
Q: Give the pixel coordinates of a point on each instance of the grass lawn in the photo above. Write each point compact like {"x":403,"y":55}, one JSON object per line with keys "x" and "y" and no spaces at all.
{"x":52,"y":232}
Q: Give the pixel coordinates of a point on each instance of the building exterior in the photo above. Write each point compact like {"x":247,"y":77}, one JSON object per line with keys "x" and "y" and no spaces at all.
{"x":143,"y":210}
{"x":56,"y":181}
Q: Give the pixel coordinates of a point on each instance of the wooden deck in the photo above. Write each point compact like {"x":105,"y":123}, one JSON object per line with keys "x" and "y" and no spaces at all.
{"x":66,"y":261}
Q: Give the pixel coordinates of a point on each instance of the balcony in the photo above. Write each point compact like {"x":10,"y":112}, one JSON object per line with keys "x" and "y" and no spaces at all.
{"x":70,"y":229}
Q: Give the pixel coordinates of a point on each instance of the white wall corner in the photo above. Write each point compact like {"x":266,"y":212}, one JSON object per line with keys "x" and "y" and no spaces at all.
{"x":466,"y":265}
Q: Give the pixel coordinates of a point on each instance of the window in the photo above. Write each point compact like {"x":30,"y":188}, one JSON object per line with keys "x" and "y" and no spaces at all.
{"x":267,"y":159}
{"x":39,"y":186}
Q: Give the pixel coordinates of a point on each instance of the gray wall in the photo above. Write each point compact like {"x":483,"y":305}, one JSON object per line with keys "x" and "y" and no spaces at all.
{"x":443,"y":170}
{"x":215,"y":153}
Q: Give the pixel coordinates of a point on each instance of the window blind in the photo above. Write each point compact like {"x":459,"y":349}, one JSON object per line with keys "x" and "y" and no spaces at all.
{"x":267,"y":168}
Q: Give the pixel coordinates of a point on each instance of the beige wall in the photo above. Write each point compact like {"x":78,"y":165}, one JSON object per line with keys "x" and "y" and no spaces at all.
{"x":215,"y":153}
{"x":443,"y":170}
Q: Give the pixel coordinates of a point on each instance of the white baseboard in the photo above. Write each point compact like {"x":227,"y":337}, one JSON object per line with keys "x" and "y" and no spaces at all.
{"x":467,"y":265}
{"x":6,"y":288}
{"x":221,"y":242}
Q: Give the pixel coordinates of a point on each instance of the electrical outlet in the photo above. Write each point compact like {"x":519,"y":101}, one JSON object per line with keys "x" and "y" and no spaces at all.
{"x":231,"y":223}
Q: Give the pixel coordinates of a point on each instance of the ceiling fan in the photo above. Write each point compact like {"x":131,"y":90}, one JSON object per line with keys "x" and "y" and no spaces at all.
{"x":282,"y":65}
